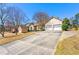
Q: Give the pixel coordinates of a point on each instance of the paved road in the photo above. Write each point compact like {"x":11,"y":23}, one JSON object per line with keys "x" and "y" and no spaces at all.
{"x":41,"y":43}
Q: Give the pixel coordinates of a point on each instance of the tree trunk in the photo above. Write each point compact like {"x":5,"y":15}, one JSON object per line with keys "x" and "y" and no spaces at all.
{"x":2,"y":34}
{"x":2,"y":31}
{"x":16,"y":33}
{"x":16,"y":30}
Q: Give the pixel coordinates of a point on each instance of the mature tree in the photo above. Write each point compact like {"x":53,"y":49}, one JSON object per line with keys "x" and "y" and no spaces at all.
{"x":8,"y":25}
{"x":66,"y":21}
{"x":75,"y":24}
{"x":16,"y":16}
{"x":65,"y":24}
{"x":77,"y":18}
{"x":3,"y":17}
{"x":75,"y":21}
{"x":41,"y":18}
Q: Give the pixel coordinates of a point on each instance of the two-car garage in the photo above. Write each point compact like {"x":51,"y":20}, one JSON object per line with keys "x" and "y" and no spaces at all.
{"x":53,"y":25}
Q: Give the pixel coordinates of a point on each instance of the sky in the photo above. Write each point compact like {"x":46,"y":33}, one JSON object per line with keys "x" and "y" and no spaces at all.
{"x":60,"y":10}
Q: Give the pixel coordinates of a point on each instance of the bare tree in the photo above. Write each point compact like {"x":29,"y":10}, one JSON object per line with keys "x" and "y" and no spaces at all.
{"x":3,"y":17}
{"x":41,"y":18}
{"x":16,"y":16}
{"x":8,"y":25}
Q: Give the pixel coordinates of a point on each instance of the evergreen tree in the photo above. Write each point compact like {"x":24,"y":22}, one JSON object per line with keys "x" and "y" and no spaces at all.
{"x":65,"y":24}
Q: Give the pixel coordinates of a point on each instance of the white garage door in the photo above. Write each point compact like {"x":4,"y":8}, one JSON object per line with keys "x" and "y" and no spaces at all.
{"x":49,"y":28}
{"x":57,"y":27}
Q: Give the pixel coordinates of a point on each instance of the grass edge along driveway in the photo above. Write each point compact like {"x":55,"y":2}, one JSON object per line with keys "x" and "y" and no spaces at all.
{"x":68,"y":46}
{"x":6,"y":40}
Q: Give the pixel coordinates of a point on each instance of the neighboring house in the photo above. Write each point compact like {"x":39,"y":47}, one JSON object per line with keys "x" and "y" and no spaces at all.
{"x":33,"y":27}
{"x":53,"y":24}
{"x":22,"y":29}
{"x":37,"y":27}
{"x":7,"y":28}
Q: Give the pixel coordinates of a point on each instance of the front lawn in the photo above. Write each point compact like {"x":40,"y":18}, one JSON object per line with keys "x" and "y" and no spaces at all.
{"x":9,"y":37}
{"x":68,"y":46}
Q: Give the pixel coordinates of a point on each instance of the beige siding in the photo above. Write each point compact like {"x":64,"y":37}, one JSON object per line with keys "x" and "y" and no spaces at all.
{"x":53,"y":24}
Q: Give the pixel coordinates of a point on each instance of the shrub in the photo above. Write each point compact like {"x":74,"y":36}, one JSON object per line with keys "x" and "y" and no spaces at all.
{"x":65,"y":24}
{"x":65,"y":27}
{"x":76,"y":27}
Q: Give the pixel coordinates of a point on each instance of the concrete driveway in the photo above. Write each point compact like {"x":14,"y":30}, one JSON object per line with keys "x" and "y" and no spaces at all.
{"x":41,"y":43}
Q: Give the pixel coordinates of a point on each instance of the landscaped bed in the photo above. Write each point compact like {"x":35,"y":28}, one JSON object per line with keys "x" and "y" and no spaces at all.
{"x":68,"y":46}
{"x":9,"y":37}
